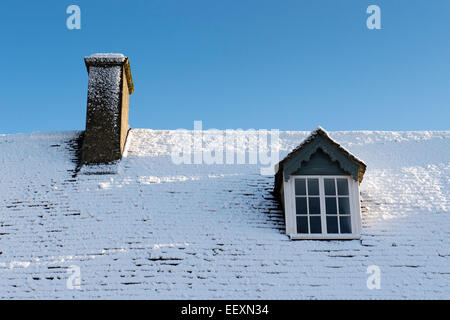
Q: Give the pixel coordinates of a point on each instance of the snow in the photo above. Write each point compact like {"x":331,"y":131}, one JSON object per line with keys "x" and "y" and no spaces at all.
{"x":312,"y":136}
{"x":115,"y":58}
{"x":107,"y":55}
{"x":150,"y":229}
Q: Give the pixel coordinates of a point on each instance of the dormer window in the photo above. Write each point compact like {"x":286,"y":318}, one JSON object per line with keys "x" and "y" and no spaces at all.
{"x":325,"y":206}
{"x":319,"y":187}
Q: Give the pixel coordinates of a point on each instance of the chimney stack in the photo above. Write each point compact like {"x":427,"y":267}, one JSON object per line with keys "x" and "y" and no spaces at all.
{"x":109,"y":88}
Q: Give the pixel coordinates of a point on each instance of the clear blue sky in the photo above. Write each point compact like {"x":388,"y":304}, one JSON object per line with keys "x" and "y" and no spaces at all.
{"x":290,"y":65}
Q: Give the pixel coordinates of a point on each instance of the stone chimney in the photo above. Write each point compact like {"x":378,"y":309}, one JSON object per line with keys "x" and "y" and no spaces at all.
{"x":109,"y":88}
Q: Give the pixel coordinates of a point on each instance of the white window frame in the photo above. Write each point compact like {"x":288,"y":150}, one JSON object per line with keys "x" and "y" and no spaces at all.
{"x":290,"y":212}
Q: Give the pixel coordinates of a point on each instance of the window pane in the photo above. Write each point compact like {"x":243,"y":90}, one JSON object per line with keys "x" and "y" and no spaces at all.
{"x":344,"y":206}
{"x":302,"y":225}
{"x":300,"y":206}
{"x":331,"y":205}
{"x":314,"y":205}
{"x":332,"y":224}
{"x":313,"y":187}
{"x":300,"y":187}
{"x":315,"y":224}
{"x":342,"y":185}
{"x":330,"y":189}
{"x":346,"y":226}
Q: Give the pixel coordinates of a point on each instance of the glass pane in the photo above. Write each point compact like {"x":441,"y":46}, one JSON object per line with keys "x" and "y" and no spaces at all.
{"x":330,"y":204}
{"x":330,"y":188}
{"x":332,"y":224}
{"x":315,"y":224}
{"x":342,"y":185}
{"x":300,"y":187}
{"x":314,"y":205}
{"x":313,"y":187}
{"x":300,"y":206}
{"x":346,"y":226}
{"x":344,"y":206}
{"x":302,"y":225}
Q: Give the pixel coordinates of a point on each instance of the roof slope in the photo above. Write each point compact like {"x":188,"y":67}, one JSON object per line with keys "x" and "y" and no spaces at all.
{"x":159,"y":230}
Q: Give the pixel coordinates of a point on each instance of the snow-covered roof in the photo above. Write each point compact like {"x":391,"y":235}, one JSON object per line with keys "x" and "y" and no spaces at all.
{"x":359,"y":165}
{"x":148,"y":228}
{"x":319,"y":131}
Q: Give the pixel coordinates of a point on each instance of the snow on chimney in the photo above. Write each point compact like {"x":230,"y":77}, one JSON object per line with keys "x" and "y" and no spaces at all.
{"x":109,"y":88}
